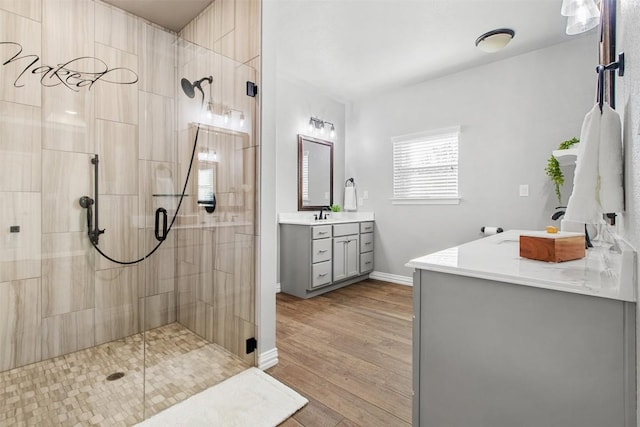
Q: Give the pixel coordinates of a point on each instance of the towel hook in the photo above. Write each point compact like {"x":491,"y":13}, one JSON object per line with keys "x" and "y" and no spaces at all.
{"x":350,"y":180}
{"x":600,"y":69}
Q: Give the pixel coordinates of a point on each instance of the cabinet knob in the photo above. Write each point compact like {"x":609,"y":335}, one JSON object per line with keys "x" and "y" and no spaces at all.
{"x":322,"y":251}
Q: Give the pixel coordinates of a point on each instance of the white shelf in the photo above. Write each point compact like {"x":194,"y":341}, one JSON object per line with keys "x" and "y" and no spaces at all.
{"x":566,"y":157}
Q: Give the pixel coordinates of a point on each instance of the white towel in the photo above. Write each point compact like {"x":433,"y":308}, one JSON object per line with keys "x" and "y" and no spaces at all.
{"x":610,"y":162}
{"x":597,"y":182}
{"x":350,"y":203}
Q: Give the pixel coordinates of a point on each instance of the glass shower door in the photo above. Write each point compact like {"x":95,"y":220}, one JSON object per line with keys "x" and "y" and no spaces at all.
{"x":199,"y":303}
{"x":70,"y":322}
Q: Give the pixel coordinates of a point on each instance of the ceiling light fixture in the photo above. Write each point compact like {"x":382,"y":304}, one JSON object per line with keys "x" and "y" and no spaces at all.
{"x":495,"y":40}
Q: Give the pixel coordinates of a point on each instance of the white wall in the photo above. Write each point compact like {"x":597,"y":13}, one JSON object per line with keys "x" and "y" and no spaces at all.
{"x":267,"y":244}
{"x":296,"y":103}
{"x":512,"y":114}
{"x":628,"y":104}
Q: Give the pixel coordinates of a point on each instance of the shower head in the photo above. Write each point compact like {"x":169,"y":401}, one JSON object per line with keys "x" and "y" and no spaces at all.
{"x":189,"y":88}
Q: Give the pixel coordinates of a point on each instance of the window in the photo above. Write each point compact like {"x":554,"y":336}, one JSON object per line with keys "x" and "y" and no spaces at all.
{"x":425,"y":167}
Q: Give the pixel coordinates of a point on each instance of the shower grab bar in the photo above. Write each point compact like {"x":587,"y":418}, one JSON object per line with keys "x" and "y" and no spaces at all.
{"x":161,"y":212}
{"x":87,"y":202}
{"x":96,"y":231}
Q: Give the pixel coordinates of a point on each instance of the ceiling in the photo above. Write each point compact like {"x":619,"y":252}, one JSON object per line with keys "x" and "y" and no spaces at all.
{"x":170,"y":14}
{"x":352,"y":48}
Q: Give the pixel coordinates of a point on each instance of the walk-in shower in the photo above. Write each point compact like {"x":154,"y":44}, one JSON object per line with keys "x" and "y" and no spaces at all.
{"x":128,"y":206}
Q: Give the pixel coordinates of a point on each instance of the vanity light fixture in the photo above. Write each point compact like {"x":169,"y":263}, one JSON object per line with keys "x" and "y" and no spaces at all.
{"x":318,"y":126}
{"x":228,"y":116}
{"x":495,"y":40}
{"x":582,"y":15}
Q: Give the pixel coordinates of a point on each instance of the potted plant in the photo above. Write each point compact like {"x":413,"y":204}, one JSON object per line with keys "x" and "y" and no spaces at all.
{"x":553,"y":167}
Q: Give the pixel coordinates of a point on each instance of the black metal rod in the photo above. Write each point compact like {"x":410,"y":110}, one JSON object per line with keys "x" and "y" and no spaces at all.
{"x":96,"y":232}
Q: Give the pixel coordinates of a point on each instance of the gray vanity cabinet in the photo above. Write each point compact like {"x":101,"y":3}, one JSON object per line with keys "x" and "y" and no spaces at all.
{"x":320,"y":258}
{"x":366,"y":247}
{"x":494,"y":354}
{"x":346,"y":248}
{"x":345,"y":258}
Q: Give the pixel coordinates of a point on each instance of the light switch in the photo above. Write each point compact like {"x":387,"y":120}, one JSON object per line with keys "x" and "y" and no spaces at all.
{"x":524,"y":190}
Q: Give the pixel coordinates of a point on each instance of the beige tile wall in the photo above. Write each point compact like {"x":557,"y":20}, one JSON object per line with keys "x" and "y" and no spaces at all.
{"x":57,"y":294}
{"x":219,"y":305}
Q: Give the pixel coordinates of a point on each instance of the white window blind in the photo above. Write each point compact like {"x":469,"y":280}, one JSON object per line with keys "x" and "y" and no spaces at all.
{"x":425,"y":166}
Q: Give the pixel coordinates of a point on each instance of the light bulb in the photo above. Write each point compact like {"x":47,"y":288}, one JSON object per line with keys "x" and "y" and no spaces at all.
{"x":241,"y":119}
{"x":227,"y":115}
{"x":209,"y":110}
{"x":332,"y":133}
{"x":321,"y":128}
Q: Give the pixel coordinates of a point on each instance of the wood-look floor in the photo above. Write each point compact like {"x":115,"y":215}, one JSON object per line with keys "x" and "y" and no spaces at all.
{"x":349,"y":353}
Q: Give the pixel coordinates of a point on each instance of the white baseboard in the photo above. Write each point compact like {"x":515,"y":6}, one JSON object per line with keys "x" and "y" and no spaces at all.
{"x":278,"y":288}
{"x":268,"y":359}
{"x":393,"y":278}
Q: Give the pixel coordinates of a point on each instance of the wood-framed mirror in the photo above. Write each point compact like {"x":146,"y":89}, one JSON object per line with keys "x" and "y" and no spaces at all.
{"x":315,"y":173}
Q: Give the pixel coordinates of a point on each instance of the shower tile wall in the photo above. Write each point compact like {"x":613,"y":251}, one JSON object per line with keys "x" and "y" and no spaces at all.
{"x":216,"y":268}
{"x":57,"y":295}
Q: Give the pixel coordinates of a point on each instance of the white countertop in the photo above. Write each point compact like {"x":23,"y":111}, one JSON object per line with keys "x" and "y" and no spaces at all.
{"x":602,"y":273}
{"x":306,"y":218}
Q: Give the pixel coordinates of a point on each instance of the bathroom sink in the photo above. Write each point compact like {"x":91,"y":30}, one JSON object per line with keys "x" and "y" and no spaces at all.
{"x":307,"y":218}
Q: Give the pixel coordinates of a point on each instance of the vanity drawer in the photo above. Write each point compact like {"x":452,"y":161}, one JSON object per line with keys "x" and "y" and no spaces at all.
{"x":366,"y":242}
{"x":366,"y":227}
{"x":366,"y":262}
{"x":345,"y":229}
{"x":321,"y":250}
{"x":320,"y":231}
{"x":321,"y":274}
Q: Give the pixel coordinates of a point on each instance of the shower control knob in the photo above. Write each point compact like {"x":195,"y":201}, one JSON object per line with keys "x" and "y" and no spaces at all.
{"x":86,"y":201}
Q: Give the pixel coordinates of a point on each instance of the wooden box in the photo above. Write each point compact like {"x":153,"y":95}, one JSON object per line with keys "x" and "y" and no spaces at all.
{"x":549,"y":247}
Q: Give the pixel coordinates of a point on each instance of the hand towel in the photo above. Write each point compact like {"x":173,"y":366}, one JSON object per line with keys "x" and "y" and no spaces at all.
{"x":597,"y":181}
{"x":350,"y":203}
{"x":610,"y":162}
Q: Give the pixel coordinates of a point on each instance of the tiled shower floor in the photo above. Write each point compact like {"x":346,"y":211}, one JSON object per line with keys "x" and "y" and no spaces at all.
{"x":72,"y":389}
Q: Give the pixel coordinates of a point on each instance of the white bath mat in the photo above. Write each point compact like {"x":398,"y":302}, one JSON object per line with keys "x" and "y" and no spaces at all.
{"x":251,"y":398}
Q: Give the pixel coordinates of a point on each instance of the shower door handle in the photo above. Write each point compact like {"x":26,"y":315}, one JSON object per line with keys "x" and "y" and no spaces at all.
{"x":161,"y":212}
